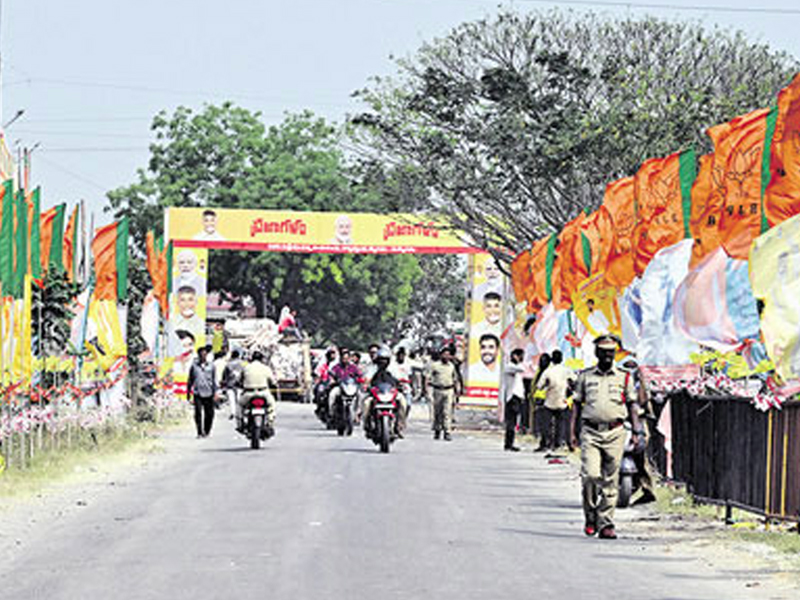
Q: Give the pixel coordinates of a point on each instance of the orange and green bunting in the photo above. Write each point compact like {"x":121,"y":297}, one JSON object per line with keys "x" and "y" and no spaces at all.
{"x":35,"y":236}
{"x":707,"y":203}
{"x":20,"y":245}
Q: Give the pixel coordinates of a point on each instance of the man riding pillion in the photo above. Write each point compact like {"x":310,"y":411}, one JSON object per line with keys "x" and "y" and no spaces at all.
{"x":340,"y":372}
{"x":604,"y":398}
{"x":256,"y":383}
{"x":382,"y":375}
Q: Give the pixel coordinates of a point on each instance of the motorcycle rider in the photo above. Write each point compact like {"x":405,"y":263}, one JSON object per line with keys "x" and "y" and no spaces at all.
{"x":341,"y":371}
{"x":323,"y":377}
{"x":256,"y":383}
{"x":383,"y":375}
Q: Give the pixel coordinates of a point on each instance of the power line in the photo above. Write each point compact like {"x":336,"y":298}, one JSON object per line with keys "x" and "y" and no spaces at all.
{"x":72,"y":173}
{"x":160,"y":90}
{"x":96,"y":149}
{"x":39,"y":132}
{"x":669,"y":6}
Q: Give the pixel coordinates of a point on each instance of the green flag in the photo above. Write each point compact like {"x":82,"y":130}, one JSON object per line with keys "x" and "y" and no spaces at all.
{"x":122,"y":259}
{"x":56,"y":261}
{"x":21,"y":245}
{"x":36,"y":235}
{"x":7,"y":238}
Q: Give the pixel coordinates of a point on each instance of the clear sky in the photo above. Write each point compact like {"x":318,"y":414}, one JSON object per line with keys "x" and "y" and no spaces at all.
{"x":90,"y":74}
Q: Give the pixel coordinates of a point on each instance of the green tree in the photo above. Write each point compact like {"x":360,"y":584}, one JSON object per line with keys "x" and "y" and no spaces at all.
{"x":517,"y":122}
{"x":224,"y":156}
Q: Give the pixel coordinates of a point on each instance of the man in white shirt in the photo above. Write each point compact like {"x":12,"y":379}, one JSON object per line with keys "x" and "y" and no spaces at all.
{"x":514,"y":393}
{"x":209,"y":232}
{"x":488,"y":369}
{"x":556,"y":382}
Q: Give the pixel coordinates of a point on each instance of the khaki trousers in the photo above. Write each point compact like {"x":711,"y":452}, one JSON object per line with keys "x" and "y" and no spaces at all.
{"x":601,"y":455}
{"x":443,"y":401}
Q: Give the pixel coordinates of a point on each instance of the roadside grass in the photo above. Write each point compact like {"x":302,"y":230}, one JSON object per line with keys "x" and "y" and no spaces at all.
{"x":86,"y":454}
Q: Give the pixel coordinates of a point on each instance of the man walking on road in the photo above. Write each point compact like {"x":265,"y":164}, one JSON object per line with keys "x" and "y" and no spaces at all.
{"x":202,"y":386}
{"x":514,"y":392}
{"x":605,"y":397}
{"x":444,"y":381}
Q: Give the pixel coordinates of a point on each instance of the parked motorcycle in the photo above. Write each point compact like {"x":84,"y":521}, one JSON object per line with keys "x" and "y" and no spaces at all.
{"x":629,"y":475}
{"x":256,"y":425}
{"x":344,"y":407}
{"x":382,"y":419}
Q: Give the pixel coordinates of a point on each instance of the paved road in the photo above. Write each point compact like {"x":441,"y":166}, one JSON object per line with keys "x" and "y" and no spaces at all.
{"x":313,"y":516}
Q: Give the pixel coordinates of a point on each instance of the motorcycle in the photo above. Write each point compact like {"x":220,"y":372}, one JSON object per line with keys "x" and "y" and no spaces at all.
{"x":321,"y":392}
{"x":382,"y":419}
{"x":628,"y":471}
{"x":343,"y":409}
{"x":256,"y":425}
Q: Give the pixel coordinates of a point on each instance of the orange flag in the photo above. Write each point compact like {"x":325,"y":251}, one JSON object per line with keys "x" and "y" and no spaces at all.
{"x":104,"y":251}
{"x":598,"y":231}
{"x":739,"y":154}
{"x":521,"y":277}
{"x":47,"y":219}
{"x":782,"y":198}
{"x":707,"y":204}
{"x":662,"y":192}
{"x":570,"y":266}
{"x":618,"y":200}
{"x":71,"y":244}
{"x":157,"y":267}
{"x":539,"y":294}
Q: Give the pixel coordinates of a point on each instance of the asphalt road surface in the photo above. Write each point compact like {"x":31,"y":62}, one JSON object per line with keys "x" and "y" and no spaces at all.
{"x":314,"y":516}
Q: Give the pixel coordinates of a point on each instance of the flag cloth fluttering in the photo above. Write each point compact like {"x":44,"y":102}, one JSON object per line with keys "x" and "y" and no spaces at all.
{"x":662,"y":192}
{"x":110,"y":252}
{"x":782,"y":197}
{"x":619,"y":202}
{"x":70,"y":246}
{"x":157,"y":267}
{"x":741,"y":147}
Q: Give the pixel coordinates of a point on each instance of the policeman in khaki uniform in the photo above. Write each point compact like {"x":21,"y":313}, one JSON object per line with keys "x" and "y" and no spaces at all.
{"x":444,"y":381}
{"x":604,"y":397}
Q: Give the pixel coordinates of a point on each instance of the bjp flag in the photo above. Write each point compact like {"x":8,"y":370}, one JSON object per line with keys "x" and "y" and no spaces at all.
{"x":782,"y":197}
{"x":598,"y":238}
{"x":662,"y":192}
{"x":110,"y":252}
{"x":739,"y":153}
{"x":618,"y":200}
{"x":521,"y":277}
{"x":70,"y":246}
{"x":707,"y":204}
{"x":541,"y":254}
{"x":570,"y":267}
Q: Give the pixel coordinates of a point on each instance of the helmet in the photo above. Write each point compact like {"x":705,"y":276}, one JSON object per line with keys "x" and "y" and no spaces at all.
{"x":384,"y":352}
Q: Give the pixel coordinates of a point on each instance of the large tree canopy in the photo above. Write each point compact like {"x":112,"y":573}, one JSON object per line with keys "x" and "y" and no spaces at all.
{"x":224,"y":156}
{"x":517,"y":122}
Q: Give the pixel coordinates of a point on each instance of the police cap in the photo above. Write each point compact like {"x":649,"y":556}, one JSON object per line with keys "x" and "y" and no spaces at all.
{"x":608,"y":341}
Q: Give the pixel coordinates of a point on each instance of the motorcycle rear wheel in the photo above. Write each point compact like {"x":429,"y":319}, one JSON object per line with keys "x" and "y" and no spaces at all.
{"x":255,"y":435}
{"x":385,"y":434}
{"x":625,"y":490}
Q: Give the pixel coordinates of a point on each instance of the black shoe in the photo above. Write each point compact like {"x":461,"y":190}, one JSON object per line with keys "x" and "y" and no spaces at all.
{"x":540,"y":449}
{"x":608,"y":533}
{"x":436,"y":434}
{"x":511,"y":449}
{"x":447,"y":437}
{"x":400,"y":435}
{"x":646,"y":498}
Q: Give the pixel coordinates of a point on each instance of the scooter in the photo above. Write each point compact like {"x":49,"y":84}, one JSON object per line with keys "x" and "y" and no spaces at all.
{"x":343,"y":409}
{"x":382,"y":419}
{"x":256,"y":425}
{"x":321,"y":392}
{"x":628,"y":471}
